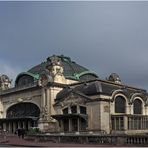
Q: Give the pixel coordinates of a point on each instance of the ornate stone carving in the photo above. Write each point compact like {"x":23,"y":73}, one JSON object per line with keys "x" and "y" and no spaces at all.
{"x":44,"y":79}
{"x":55,"y":69}
{"x":54,"y":60}
{"x":72,"y":100}
{"x":54,"y":66}
{"x":44,"y":114}
{"x":5,"y":82}
{"x":106,"y":108}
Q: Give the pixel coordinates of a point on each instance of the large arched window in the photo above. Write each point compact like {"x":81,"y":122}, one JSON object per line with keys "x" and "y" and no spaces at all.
{"x":24,"y":109}
{"x":137,"y":106}
{"x":120,"y":104}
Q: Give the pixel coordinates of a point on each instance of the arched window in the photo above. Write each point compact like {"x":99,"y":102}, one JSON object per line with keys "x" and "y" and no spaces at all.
{"x":24,"y":80}
{"x":25,"y":109}
{"x":120,"y":104}
{"x":137,"y":106}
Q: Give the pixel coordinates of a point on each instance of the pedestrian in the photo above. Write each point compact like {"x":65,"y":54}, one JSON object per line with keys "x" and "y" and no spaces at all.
{"x":19,"y":132}
{"x":22,"y":133}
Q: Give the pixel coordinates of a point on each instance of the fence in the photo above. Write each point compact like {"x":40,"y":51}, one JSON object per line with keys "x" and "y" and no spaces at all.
{"x":118,"y":140}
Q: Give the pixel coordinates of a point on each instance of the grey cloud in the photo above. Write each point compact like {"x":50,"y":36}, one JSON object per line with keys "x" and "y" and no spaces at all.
{"x":104,"y":36}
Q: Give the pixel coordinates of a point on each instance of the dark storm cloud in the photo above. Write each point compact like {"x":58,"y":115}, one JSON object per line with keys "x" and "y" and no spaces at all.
{"x":104,"y":36}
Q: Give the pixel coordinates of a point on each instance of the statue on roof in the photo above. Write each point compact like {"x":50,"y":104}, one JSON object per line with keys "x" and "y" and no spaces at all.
{"x":54,"y":60}
{"x":5,"y":82}
{"x":54,"y":65}
{"x":55,"y":69}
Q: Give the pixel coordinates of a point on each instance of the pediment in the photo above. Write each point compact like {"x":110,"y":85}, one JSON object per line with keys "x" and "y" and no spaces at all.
{"x":73,"y":99}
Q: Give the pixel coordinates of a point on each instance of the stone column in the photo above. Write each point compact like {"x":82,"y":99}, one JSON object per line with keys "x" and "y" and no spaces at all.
{"x":14,"y":126}
{"x":19,"y":125}
{"x":125,"y":118}
{"x":28,"y":124}
{"x":43,"y":102}
{"x":78,"y":124}
{"x":69,"y":110}
{"x":4,"y":126}
{"x":24,"y":124}
{"x":146,"y":110}
{"x":9,"y":127}
{"x":52,"y":92}
{"x":78,"y":109}
{"x":128,"y":109}
{"x":62,"y":127}
{"x":48,"y":104}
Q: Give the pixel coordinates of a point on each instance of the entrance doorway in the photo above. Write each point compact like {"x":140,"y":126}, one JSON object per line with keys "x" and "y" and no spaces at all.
{"x":21,"y":115}
{"x":71,"y":122}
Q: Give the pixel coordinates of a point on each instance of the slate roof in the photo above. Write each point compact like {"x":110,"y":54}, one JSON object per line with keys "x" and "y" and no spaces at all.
{"x":99,"y":87}
{"x":86,"y":89}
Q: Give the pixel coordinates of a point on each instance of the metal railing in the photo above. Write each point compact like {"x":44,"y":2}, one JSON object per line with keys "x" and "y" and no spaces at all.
{"x":129,"y":122}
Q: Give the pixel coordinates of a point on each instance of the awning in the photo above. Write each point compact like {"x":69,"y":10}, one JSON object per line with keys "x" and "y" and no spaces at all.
{"x":69,"y":116}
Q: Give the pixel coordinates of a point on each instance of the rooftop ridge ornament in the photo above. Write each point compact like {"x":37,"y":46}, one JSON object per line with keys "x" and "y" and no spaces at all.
{"x":114,"y":78}
{"x":5,"y":82}
{"x":54,"y":60}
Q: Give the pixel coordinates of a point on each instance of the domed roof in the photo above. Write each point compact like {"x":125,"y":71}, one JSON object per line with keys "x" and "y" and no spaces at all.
{"x":72,"y":70}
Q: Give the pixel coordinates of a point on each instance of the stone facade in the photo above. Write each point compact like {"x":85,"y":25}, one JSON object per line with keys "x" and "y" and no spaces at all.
{"x":60,"y":95}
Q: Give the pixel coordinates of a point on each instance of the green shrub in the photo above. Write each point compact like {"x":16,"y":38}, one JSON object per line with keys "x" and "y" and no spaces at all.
{"x":33,"y":131}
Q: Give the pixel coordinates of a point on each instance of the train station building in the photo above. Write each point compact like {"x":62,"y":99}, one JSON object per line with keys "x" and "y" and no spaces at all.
{"x":59,"y":95}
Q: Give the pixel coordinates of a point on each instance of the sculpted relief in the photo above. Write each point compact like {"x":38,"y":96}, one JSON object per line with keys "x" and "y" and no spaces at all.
{"x":72,"y":99}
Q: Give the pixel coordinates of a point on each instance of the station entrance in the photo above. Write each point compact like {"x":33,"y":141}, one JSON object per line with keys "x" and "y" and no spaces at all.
{"x":22,"y":115}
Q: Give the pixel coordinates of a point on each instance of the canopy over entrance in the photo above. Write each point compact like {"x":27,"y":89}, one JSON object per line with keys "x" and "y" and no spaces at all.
{"x":71,"y":122}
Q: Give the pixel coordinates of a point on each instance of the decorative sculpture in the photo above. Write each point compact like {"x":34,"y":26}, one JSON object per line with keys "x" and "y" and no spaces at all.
{"x":5,"y":82}
{"x":114,"y":78}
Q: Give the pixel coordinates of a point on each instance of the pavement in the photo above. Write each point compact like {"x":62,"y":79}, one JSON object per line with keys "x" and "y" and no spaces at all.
{"x":15,"y":141}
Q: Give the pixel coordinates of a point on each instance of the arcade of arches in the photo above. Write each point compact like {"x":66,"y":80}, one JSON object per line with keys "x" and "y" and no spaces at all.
{"x":135,"y":121}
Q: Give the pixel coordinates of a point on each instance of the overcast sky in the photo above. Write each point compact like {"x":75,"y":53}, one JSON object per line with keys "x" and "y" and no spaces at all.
{"x":105,"y":37}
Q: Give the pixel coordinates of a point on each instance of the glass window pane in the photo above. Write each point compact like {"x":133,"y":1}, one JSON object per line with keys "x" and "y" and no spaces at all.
{"x":73,"y":109}
{"x":137,"y":106}
{"x":119,"y":104}
{"x":82,"y":110}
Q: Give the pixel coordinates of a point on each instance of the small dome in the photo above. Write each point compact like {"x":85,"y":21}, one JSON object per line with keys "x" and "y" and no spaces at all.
{"x":114,"y":78}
